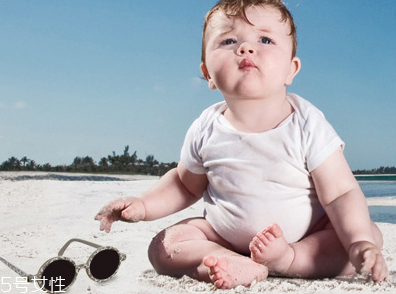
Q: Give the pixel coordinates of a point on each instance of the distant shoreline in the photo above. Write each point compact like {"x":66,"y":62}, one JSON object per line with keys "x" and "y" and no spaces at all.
{"x":71,"y":176}
{"x":25,"y":175}
{"x":382,"y":177}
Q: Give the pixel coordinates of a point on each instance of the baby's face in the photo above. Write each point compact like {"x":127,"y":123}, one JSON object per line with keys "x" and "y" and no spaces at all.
{"x":249,"y":60}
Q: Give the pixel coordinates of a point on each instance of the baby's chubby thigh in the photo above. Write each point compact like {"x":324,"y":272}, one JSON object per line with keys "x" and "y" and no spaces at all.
{"x":179,"y":249}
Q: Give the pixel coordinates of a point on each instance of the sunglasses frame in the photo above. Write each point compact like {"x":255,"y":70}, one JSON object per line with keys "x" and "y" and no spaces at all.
{"x":38,"y":277}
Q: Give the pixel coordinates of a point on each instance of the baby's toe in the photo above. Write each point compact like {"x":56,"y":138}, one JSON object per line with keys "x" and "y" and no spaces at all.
{"x":258,"y":243}
{"x":264,"y":238}
{"x":210,"y":261}
{"x":275,"y":230}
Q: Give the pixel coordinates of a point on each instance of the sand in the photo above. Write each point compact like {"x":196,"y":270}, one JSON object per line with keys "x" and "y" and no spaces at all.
{"x":39,"y":212}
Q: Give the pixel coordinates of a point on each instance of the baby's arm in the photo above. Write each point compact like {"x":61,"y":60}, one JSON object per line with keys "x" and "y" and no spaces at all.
{"x":176,"y":190}
{"x":346,"y":207}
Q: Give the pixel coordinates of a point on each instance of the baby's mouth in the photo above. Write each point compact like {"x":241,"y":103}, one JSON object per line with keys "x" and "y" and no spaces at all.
{"x":246,"y":64}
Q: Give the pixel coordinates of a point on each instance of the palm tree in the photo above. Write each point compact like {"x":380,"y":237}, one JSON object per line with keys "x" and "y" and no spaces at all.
{"x":12,"y":163}
{"x":150,"y":160}
{"x":24,"y":160}
{"x":47,"y":167}
{"x":104,"y":162}
{"x":77,"y":161}
{"x":32,"y":165}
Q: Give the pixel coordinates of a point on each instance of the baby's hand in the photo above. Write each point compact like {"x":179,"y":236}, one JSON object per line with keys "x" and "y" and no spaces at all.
{"x":367,"y":259}
{"x":130,"y":209}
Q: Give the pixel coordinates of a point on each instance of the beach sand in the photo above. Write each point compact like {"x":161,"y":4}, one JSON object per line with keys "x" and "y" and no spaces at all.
{"x":39,"y":212}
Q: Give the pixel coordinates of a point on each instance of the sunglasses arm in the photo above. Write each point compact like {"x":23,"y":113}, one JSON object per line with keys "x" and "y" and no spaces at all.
{"x":16,"y":269}
{"x":60,"y":253}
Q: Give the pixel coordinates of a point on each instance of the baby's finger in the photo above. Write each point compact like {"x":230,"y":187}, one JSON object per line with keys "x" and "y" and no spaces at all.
{"x":380,"y":270}
{"x":98,"y":216}
{"x":369,"y":258}
{"x":105,"y":225}
{"x":103,"y":213}
{"x":108,"y":210}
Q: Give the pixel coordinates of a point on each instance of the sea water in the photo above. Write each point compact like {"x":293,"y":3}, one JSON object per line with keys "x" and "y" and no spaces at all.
{"x":380,"y":188}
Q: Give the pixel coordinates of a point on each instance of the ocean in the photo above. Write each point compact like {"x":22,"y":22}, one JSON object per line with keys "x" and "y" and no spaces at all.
{"x":378,"y":189}
{"x":378,"y":186}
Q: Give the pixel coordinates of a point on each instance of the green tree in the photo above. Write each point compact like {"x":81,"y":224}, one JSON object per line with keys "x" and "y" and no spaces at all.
{"x":32,"y":165}
{"x":77,"y":161}
{"x":24,"y":160}
{"x":150,"y":161}
{"x":47,"y":167}
{"x":104,"y":162}
{"x":11,"y":163}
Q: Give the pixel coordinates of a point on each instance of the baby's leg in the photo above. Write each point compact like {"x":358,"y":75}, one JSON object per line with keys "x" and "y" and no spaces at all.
{"x":193,"y":248}
{"x":318,"y":255}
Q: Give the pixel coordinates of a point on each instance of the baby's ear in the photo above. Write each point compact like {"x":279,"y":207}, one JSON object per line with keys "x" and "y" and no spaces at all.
{"x":295,"y":67}
{"x":207,"y":77}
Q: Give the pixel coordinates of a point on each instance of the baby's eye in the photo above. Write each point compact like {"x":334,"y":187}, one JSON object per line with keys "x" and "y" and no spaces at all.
{"x":228,"y":41}
{"x":265,"y":40}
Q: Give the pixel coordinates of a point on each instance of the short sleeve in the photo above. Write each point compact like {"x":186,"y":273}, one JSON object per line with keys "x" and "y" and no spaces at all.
{"x":190,"y":152}
{"x":321,"y":140}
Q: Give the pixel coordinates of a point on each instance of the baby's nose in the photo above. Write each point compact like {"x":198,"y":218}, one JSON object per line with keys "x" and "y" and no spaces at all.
{"x":245,"y":48}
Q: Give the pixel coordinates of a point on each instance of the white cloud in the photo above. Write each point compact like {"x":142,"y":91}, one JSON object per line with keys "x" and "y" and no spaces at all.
{"x":20,"y":105}
{"x":2,"y":105}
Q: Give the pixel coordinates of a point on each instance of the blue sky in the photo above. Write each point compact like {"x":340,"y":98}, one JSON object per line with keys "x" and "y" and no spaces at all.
{"x":89,"y":77}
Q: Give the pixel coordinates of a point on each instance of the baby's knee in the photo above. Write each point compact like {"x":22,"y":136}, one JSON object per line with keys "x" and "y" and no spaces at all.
{"x":160,"y":252}
{"x":157,"y":250}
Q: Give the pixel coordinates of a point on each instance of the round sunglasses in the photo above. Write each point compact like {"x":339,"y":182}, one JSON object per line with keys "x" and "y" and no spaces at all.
{"x":59,"y":273}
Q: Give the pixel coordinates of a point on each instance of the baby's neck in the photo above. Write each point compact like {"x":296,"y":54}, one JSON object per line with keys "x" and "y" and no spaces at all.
{"x":257,"y":116}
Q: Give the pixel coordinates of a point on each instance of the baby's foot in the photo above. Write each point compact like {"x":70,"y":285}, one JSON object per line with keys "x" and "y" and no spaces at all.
{"x":228,"y":272}
{"x":271,"y":249}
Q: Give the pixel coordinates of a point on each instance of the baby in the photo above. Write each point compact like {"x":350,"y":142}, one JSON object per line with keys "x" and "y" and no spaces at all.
{"x":279,"y":196}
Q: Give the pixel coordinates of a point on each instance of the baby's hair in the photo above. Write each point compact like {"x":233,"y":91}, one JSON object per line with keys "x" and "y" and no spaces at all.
{"x":237,"y":9}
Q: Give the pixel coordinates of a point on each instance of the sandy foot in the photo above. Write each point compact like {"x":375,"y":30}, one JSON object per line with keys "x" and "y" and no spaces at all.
{"x":228,"y":272}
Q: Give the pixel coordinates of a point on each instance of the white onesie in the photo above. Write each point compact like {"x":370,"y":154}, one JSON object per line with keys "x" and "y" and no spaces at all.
{"x":256,"y":179}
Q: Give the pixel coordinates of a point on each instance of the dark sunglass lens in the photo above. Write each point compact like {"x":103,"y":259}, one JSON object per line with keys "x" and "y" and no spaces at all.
{"x":58,"y":275}
{"x":104,"y":264}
